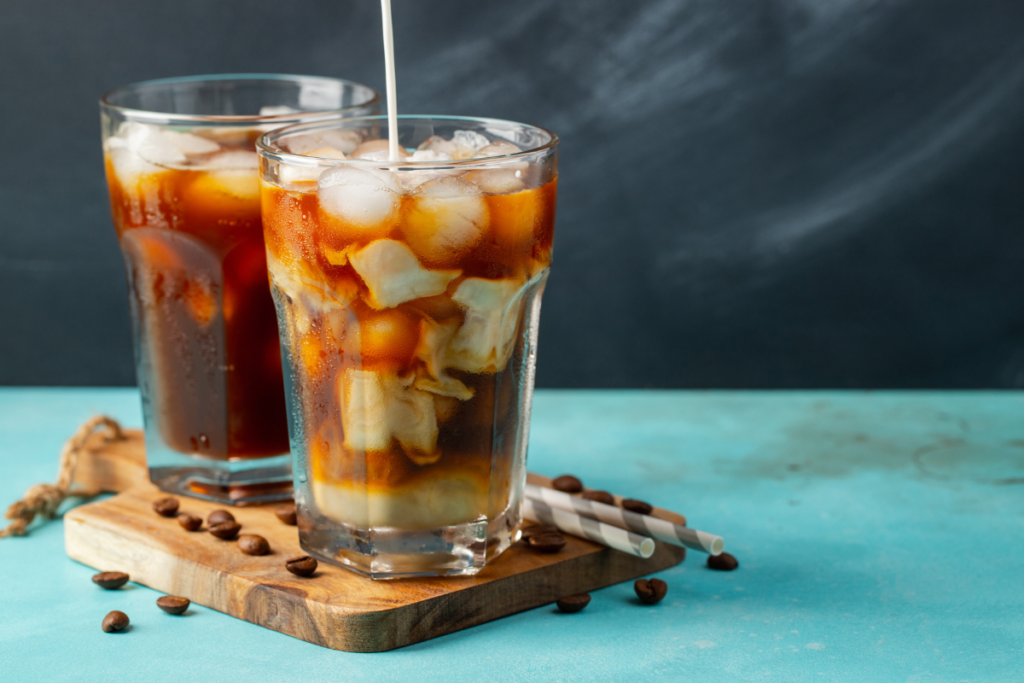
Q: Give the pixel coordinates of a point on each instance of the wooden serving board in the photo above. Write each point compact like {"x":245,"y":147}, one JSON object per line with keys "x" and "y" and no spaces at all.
{"x":336,"y":608}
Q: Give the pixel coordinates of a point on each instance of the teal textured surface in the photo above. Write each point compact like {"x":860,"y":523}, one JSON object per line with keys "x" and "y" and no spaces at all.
{"x":880,"y":537}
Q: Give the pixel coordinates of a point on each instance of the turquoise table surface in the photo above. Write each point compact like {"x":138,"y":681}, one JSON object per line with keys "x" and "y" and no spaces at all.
{"x":880,"y":536}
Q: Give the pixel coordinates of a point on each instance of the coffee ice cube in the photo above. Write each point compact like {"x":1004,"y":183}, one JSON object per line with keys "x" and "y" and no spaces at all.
{"x":446,"y":220}
{"x":365,"y":200}
{"x":485,"y":341}
{"x":393,"y":275}
{"x":378,"y":407}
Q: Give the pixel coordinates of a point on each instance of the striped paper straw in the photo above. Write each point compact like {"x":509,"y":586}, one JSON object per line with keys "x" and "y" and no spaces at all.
{"x":624,"y":519}
{"x":605,"y":534}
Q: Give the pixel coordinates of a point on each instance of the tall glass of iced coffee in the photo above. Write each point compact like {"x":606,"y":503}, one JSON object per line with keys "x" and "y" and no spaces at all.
{"x":184,"y":192}
{"x":408,"y":296}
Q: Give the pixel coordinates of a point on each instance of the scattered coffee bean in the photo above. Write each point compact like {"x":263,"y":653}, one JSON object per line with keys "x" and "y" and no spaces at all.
{"x":568,"y":484}
{"x":573,"y":603}
{"x":301,"y":566}
{"x":538,"y":529}
{"x":115,"y":621}
{"x":168,"y":507}
{"x":637,"y":506}
{"x":650,"y":591}
{"x":724,"y":562}
{"x":547,"y":543}
{"x":110,"y":580}
{"x":189,"y":522}
{"x":599,"y":497}
{"x":251,"y":544}
{"x":225,"y":531}
{"x":218,"y":516}
{"x":173,"y":604}
{"x":286,"y":513}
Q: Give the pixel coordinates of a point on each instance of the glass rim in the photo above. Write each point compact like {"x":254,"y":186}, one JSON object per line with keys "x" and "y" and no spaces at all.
{"x":171,"y":118}
{"x":266,"y":148}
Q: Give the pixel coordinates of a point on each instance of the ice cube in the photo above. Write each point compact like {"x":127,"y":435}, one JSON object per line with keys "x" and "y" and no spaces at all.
{"x":377,"y":407}
{"x":277,"y":110}
{"x":235,"y":159}
{"x":393,"y":275}
{"x":325,"y":153}
{"x":498,"y":180}
{"x":498,"y":148}
{"x":291,"y":173}
{"x":343,"y":140}
{"x":362,"y":198}
{"x":469,"y":142}
{"x":447,"y":218}
{"x":376,"y":150}
{"x":189,"y":144}
{"x":432,"y":349}
{"x":139,"y":149}
{"x":228,"y":173}
{"x":463,"y":145}
{"x":429,"y":155}
{"x":485,"y":341}
{"x":438,"y":145}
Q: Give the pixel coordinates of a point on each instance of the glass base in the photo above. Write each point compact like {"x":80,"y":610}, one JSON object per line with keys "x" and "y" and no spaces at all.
{"x":386,"y":553}
{"x":231,"y":482}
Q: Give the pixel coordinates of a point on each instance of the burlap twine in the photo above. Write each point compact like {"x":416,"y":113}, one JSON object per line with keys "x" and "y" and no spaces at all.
{"x":44,"y":499}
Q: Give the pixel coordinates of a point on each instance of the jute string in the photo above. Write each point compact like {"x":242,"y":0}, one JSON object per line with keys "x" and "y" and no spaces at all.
{"x":44,"y":499}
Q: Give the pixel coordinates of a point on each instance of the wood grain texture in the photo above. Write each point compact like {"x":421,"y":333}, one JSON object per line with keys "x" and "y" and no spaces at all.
{"x":335,"y":607}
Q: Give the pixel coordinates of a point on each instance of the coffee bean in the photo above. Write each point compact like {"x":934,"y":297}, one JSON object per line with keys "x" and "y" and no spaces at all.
{"x":538,"y":529}
{"x":573,"y":603}
{"x":301,"y":566}
{"x":110,"y":580}
{"x":168,"y":507}
{"x":650,"y":591}
{"x":568,"y":484}
{"x":547,"y":543}
{"x":637,"y":506}
{"x":225,"y":531}
{"x":218,"y":516}
{"x":115,"y":621}
{"x":286,"y":513}
{"x":173,"y":604}
{"x":599,"y":497}
{"x":251,"y":544}
{"x":724,"y":562}
{"x":189,"y":522}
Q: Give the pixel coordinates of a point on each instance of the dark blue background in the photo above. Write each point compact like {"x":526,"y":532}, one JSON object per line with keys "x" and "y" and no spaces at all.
{"x":787,"y":193}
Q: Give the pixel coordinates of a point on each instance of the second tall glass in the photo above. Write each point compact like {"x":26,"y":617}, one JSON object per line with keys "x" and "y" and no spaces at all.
{"x":408,"y":294}
{"x":184,"y":192}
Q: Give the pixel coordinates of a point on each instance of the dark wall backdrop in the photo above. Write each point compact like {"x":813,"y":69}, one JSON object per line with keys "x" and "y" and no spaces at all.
{"x":762,"y":193}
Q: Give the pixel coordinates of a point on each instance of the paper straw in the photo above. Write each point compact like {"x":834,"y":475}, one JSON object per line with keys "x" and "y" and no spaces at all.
{"x":624,"y":519}
{"x":605,"y":534}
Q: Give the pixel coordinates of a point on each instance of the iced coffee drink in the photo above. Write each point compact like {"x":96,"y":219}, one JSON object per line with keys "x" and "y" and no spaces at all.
{"x":408,"y":296}
{"x":182,"y":171}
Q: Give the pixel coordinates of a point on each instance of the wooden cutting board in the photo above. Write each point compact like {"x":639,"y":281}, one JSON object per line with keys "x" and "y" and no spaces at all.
{"x":335,"y":608}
